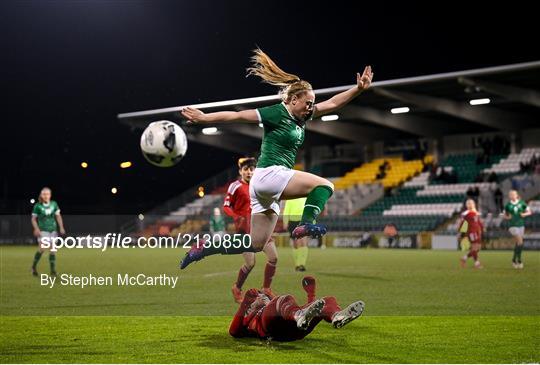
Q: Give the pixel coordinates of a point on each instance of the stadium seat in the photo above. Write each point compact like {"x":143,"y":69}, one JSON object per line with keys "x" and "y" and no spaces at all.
{"x":511,"y":164}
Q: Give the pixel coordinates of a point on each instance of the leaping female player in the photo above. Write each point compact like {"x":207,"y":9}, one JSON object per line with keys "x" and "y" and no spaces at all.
{"x":274,"y":179}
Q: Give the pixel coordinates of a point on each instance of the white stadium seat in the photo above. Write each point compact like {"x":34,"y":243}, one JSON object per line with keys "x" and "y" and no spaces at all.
{"x":439,"y":209}
{"x":511,"y":164}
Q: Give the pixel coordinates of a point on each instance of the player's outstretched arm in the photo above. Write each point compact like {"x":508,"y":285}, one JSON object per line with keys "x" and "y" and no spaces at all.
{"x":363,"y":82}
{"x":35,"y":226}
{"x":237,"y":328}
{"x":197,"y":116}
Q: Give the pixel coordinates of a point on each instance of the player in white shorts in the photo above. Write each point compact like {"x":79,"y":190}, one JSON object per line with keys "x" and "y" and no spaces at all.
{"x":274,"y":178}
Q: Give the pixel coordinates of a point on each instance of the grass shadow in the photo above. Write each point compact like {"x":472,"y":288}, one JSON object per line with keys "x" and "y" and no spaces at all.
{"x":352,"y":276}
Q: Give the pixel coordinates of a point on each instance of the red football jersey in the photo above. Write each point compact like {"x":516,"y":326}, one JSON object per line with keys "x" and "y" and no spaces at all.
{"x":237,"y":205}
{"x":248,"y":319}
{"x":473,"y":224}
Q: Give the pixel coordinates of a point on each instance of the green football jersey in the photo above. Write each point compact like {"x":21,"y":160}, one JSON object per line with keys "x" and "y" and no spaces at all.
{"x":283,"y":135}
{"x":217,"y":223}
{"x":515,"y":210}
{"x":45,"y":214}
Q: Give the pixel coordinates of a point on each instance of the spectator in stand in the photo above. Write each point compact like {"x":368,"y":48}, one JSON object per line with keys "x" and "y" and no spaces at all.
{"x":530,"y":166}
{"x":497,"y":145}
{"x":382,"y":170}
{"x":524,"y":167}
{"x":435,"y":172}
{"x":451,"y":177}
{"x":485,"y":200}
{"x":473,"y":193}
{"x":428,"y":167}
{"x":480,"y":177}
{"x":487,"y":146}
{"x":480,"y":159}
{"x":498,"y":199}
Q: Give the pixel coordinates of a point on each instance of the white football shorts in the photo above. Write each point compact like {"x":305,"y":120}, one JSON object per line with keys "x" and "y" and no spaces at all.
{"x":266,"y":187}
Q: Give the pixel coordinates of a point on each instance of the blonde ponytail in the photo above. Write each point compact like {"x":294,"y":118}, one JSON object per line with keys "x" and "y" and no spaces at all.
{"x":263,"y":67}
{"x":270,"y":73}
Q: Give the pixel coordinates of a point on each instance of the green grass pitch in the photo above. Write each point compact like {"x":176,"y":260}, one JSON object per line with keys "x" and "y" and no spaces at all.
{"x":420,"y":307}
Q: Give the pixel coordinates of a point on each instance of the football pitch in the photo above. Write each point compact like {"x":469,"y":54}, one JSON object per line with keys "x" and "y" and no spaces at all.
{"x":420,"y":307}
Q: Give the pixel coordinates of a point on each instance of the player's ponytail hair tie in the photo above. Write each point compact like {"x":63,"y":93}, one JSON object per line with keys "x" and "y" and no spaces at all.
{"x":270,"y":73}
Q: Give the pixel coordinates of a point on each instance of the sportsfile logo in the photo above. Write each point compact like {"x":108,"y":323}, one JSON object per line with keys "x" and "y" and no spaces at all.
{"x":118,"y":240}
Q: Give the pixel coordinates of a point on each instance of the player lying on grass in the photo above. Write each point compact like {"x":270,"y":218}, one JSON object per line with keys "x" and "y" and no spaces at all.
{"x":274,"y":178}
{"x":470,"y":231}
{"x":237,"y":206}
{"x":281,"y":319}
{"x":46,"y":220}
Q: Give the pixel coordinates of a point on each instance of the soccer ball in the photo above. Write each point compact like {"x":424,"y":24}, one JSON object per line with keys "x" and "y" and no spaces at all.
{"x":163,"y":143}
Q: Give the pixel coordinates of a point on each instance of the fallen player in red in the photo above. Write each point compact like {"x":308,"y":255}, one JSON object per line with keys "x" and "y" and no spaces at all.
{"x":281,"y":319}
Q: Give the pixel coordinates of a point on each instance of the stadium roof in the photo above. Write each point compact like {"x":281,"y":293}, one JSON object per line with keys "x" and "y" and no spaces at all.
{"x":439,"y":105}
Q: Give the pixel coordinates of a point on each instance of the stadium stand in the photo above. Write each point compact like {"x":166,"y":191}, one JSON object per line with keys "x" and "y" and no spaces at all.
{"x":408,"y":195}
{"x":450,"y":189}
{"x":399,"y":171}
{"x":527,"y":185}
{"x":356,"y":197}
{"x":442,"y":209}
{"x":424,"y":196}
{"x":377,"y":223}
{"x":513,"y":163}
{"x":364,"y":174}
{"x":391,"y":190}
{"x":419,"y":181}
{"x":389,"y":171}
{"x":533,"y":222}
{"x":466,"y":166}
{"x":197,"y":207}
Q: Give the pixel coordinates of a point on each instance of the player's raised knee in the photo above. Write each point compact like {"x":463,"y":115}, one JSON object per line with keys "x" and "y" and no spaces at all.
{"x":330,"y":185}
{"x":250,"y":264}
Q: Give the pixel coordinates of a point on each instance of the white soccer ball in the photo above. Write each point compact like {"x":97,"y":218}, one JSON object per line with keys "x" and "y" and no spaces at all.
{"x":163,"y":143}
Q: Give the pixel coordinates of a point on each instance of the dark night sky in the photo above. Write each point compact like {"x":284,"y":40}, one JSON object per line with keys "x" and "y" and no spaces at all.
{"x":69,"y":67}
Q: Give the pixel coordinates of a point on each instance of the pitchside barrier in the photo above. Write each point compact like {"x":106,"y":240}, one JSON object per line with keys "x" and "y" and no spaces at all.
{"x":17,"y":229}
{"x":498,"y":240}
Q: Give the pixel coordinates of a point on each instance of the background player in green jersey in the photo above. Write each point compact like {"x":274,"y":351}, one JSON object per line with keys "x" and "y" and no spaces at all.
{"x":217,"y":223}
{"x":46,"y":222}
{"x":274,"y":179}
{"x":515,"y":211}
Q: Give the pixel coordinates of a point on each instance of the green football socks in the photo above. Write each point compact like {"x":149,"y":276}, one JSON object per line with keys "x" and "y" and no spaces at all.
{"x":52,"y":262}
{"x":315,"y":202}
{"x":517,"y":253}
{"x":37,"y":256}
{"x":303,"y":254}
